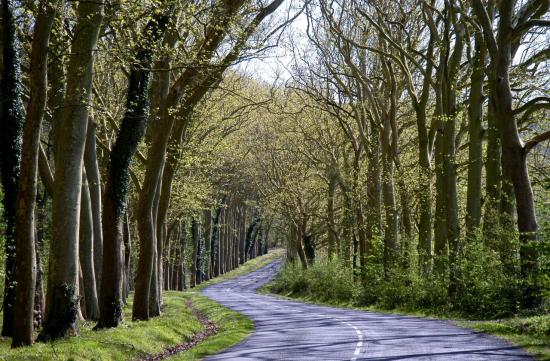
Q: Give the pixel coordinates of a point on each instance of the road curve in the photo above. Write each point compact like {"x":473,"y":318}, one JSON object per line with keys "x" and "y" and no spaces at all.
{"x":287,"y":330}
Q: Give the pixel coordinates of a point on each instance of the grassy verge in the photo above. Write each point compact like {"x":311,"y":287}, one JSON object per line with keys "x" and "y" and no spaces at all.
{"x":234,"y":327}
{"x":132,"y":339}
{"x":531,"y":333}
{"x":129,"y":341}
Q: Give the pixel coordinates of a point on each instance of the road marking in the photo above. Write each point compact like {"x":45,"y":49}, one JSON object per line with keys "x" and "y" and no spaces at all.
{"x":285,"y":306}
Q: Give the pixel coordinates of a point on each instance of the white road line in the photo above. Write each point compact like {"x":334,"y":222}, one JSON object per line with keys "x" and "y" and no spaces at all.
{"x":359,"y":344}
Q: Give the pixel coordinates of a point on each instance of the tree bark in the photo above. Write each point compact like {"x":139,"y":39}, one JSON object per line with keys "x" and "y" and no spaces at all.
{"x":131,"y":132}
{"x":86,"y":252}
{"x":94,"y":186}
{"x":475,"y":132}
{"x":25,"y":222}
{"x":62,"y":296}
{"x":11,"y":122}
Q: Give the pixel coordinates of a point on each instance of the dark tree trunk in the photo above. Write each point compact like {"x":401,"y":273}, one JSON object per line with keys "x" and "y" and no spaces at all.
{"x":475,"y":115}
{"x":215,"y":243}
{"x":25,"y":230}
{"x":250,"y":238}
{"x":11,"y":121}
{"x":130,"y":133}
{"x":127,"y":256}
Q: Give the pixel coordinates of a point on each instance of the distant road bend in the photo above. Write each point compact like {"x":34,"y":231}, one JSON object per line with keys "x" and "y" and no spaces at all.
{"x":287,"y":330}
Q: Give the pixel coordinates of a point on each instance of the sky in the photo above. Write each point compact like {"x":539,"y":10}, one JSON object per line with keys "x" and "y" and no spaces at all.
{"x":274,"y":64}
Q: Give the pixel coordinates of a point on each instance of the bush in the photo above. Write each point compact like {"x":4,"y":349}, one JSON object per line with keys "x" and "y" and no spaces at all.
{"x":487,"y":288}
{"x":327,"y":281}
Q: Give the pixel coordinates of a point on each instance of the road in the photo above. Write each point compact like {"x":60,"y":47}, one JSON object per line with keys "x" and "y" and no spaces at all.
{"x":287,"y":330}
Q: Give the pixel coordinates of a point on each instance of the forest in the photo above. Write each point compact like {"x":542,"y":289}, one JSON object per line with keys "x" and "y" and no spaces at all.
{"x":397,"y":150}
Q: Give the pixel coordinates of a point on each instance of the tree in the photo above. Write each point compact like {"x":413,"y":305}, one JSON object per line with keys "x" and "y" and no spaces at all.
{"x":27,"y":190}
{"x":130,"y":133}
{"x":513,"y":25}
{"x":10,"y":153}
{"x":62,"y":296}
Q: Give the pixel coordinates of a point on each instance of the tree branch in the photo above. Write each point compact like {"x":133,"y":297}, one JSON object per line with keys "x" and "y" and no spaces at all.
{"x":533,"y":142}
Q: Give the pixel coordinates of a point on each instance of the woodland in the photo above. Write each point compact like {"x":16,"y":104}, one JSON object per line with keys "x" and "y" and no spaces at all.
{"x":398,"y":151}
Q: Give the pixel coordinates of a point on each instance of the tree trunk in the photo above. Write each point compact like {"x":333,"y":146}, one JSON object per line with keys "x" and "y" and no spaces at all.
{"x":332,"y":235}
{"x":11,"y":121}
{"x":25,"y":225}
{"x":131,"y":132}
{"x":127,"y":257}
{"x":39,"y":298}
{"x":86,"y":253}
{"x":195,"y":240}
{"x":475,"y":132}
{"x":391,"y":245}
{"x":62,"y":296}
{"x":492,"y":179}
{"x":94,"y":186}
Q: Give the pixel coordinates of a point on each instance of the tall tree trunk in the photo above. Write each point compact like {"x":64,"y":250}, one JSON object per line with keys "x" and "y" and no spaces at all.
{"x":475,"y":132}
{"x":441,"y":249}
{"x":425,"y":247}
{"x":94,"y":186}
{"x":374,"y":198}
{"x":25,"y":224}
{"x":389,"y":154}
{"x":493,"y":179}
{"x":450,"y":85}
{"x":62,"y":296}
{"x":195,"y":240}
{"x":145,"y":217}
{"x":502,"y":50}
{"x":154,"y":301}
{"x":131,"y":132}
{"x":11,"y":122}
{"x":332,"y":235}
{"x":86,"y":253}
{"x":215,"y":243}
{"x":40,"y":298}
{"x":242,"y":240}
{"x":127,"y":257}
{"x":391,"y":245}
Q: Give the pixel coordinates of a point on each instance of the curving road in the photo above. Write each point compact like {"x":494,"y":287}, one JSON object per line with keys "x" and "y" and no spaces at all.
{"x":287,"y":330}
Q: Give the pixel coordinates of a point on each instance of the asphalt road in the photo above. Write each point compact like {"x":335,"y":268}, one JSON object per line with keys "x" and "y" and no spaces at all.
{"x":287,"y":330}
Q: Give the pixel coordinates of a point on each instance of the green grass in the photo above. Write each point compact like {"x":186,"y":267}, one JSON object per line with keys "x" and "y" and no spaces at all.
{"x":134,"y":339}
{"x":234,"y":327}
{"x":129,"y":341}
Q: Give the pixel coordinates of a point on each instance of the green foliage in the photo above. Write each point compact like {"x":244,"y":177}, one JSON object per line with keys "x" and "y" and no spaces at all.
{"x":487,"y":289}
{"x":326,"y":281}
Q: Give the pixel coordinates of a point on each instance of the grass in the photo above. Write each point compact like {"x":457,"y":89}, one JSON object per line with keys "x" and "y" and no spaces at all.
{"x":134,"y":339}
{"x":234,"y":327}
{"x":531,"y":333}
{"x":129,"y":341}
